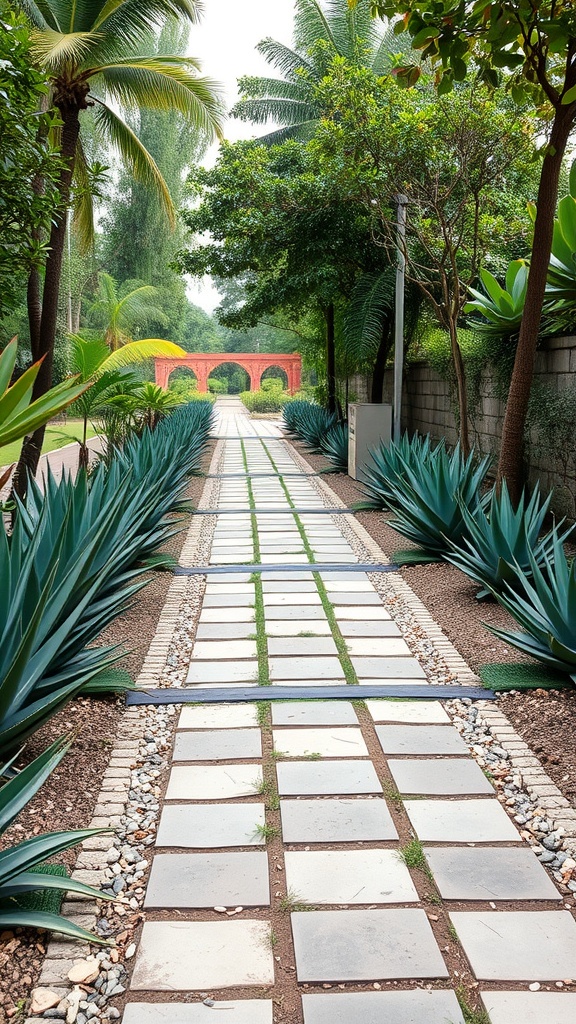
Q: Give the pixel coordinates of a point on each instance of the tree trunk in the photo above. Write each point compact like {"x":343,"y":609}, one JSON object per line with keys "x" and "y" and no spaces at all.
{"x":380,"y":363}
{"x":32,"y":447}
{"x":511,"y":465}
{"x":331,"y":357}
{"x":459,"y":370}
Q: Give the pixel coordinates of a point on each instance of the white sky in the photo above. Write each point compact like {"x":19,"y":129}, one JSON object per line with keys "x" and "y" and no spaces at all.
{"x":224,"y":41}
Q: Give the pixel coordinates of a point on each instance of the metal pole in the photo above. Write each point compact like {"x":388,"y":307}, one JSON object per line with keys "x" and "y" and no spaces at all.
{"x":399,"y":315}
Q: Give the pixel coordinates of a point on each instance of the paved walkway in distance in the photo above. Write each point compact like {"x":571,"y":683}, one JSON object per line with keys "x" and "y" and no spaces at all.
{"x":329,"y":861}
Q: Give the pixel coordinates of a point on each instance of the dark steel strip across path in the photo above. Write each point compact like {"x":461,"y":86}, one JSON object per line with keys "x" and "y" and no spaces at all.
{"x":214,"y":570}
{"x":242,"y":694}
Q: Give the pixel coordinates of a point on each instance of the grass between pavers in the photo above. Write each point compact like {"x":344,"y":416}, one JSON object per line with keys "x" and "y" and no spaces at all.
{"x":256,"y":579}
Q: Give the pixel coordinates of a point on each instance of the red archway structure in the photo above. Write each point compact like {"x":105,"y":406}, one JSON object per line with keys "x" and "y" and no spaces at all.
{"x":203,"y":363}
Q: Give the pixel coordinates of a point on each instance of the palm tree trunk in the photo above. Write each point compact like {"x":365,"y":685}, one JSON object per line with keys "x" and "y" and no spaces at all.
{"x":32,"y":447}
{"x":331,"y":357}
{"x":511,"y":463}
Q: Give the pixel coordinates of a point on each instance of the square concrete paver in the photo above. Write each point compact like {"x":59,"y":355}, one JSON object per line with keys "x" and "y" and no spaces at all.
{"x":338,"y":599}
{"x":318,"y":778}
{"x":301,"y":646}
{"x":295,"y":627}
{"x":367,"y":614}
{"x":365,"y":945}
{"x":188,"y":956}
{"x":211,"y":650}
{"x":218,"y":716}
{"x":192,"y":880}
{"x":388,"y":668}
{"x":349,"y":876}
{"x":313,"y":712}
{"x":328,"y":742}
{"x":213,"y":782}
{"x":461,"y":821}
{"x":442,"y":777}
{"x":487,"y":874}
{"x":243,"y":1011}
{"x":412,"y":712}
{"x":218,"y":745}
{"x":209,"y":826}
{"x":222,"y":672}
{"x":305,"y":668}
{"x":234,"y":630}
{"x":225,"y":615}
{"x":530,"y":1007}
{"x":421,"y":739}
{"x":225,"y":600}
{"x":518,"y":945}
{"x":412,"y":1007}
{"x":336,"y":821}
{"x":381,"y":647}
{"x":289,"y":611}
{"x":377,"y":628}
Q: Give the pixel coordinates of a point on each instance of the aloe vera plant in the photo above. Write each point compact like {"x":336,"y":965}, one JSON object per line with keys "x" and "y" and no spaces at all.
{"x":334,"y":446}
{"x":19,"y":863}
{"x":389,"y":462}
{"x":502,"y":540}
{"x":429,"y":500}
{"x":545,"y":607}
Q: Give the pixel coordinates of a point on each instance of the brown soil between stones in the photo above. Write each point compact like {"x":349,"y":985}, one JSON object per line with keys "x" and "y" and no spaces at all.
{"x":544,"y":719}
{"x":64,"y":802}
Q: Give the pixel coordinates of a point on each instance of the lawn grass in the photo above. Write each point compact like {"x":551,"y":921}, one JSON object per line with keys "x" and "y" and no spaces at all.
{"x":57,"y":435}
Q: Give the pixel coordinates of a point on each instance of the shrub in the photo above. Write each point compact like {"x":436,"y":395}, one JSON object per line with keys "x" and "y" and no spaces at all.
{"x":270,"y":398}
{"x":217,"y":386}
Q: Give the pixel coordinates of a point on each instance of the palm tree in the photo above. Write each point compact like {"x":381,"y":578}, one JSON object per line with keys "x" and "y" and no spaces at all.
{"x":321,"y":33}
{"x":91,"y":53}
{"x":119,"y":316}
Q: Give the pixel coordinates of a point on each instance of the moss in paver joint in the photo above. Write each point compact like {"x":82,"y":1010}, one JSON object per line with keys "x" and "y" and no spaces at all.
{"x":470,"y":1016}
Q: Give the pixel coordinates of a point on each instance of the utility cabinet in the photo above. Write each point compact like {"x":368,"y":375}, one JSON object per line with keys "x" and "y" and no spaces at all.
{"x":368,"y":426}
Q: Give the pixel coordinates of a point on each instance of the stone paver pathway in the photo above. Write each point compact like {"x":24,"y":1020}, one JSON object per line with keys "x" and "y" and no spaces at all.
{"x":332,"y":861}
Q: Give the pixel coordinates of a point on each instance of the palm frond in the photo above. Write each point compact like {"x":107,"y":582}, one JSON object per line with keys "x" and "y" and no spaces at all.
{"x":83,"y":211}
{"x":371,"y":302}
{"x":311,"y":24}
{"x":302,"y":132}
{"x":53,"y":49}
{"x":165,"y":84}
{"x":134,"y":154}
{"x":389,"y":46}
{"x":40,"y":14}
{"x":288,"y":61}
{"x":138,"y":351}
{"x":279,"y":88}
{"x":187,"y":9}
{"x":86,"y":357}
{"x":285,"y":112}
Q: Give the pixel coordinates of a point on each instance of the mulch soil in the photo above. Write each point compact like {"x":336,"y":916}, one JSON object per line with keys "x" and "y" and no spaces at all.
{"x":63,"y":802}
{"x":544,"y":718}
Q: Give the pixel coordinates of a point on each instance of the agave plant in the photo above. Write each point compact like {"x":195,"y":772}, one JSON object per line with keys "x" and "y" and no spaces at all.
{"x":501,"y":540}
{"x":389,"y":462}
{"x":334,"y":446}
{"x":18,"y":864}
{"x":309,"y":422}
{"x":429,"y":499}
{"x":545,"y":607}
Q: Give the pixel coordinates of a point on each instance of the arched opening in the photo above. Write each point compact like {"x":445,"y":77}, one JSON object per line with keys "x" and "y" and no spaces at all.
{"x":275,"y":374}
{"x":183,"y":382}
{"x":228,"y":379}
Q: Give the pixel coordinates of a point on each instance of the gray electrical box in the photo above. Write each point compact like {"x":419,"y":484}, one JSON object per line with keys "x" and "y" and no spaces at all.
{"x":368,"y":426}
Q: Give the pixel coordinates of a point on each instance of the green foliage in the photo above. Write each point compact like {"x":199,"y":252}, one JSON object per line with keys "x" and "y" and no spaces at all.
{"x":27,"y":158}
{"x":545,"y":608}
{"x":388,"y":462}
{"x":334,"y":446}
{"x":502,"y":308}
{"x":217,"y":386}
{"x":19,"y":874}
{"x":502,"y":541}
{"x":271,"y":397}
{"x":430,"y":499}
{"x":19,"y":415}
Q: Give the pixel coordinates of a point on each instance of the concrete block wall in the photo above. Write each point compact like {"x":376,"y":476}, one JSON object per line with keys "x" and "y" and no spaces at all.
{"x":428,"y":407}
